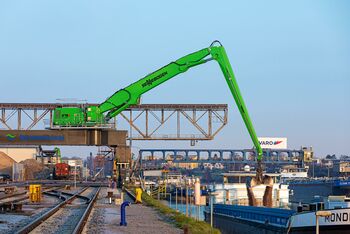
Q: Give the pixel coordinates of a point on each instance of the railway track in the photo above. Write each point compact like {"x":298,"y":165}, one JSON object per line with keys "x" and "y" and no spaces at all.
{"x":18,"y":197}
{"x":69,"y":216}
{"x":13,"y":197}
{"x":51,"y":183}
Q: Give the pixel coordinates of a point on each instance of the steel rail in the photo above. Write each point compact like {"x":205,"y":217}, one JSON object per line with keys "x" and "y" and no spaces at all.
{"x":78,"y":196}
{"x":59,"y":196}
{"x":12,"y":195}
{"x":25,"y":197}
{"x":81,"y":224}
{"x":29,"y":227}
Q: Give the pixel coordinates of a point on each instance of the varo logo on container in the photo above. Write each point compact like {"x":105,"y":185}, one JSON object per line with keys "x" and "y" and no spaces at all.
{"x":273,"y":142}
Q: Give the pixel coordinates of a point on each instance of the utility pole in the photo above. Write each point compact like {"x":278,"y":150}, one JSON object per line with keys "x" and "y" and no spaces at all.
{"x":328,"y":171}
{"x":181,"y":195}
{"x":211,"y":200}
{"x":211,"y":209}
{"x":190,"y":202}
{"x":176,"y":197}
{"x":199,"y":211}
{"x":186,"y":200}
{"x":75,"y":175}
{"x":169,"y":199}
{"x":159,"y":188}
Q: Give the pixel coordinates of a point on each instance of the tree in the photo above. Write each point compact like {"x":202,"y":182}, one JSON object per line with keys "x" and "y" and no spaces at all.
{"x":331,"y":156}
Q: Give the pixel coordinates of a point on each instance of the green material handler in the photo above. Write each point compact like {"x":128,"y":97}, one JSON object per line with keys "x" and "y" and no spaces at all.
{"x":96,"y":115}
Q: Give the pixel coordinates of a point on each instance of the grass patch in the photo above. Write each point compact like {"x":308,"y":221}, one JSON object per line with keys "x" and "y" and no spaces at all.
{"x":179,"y":219}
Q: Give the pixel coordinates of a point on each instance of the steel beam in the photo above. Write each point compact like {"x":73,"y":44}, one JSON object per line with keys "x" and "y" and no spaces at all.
{"x":158,"y":120}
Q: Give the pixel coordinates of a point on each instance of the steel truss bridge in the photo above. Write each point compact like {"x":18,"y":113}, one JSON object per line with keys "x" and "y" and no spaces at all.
{"x":145,"y":122}
{"x":149,"y":157}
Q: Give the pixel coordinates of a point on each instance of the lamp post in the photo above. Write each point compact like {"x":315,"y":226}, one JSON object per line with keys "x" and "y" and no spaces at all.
{"x":75,"y":175}
{"x":86,"y":174}
{"x":176,"y":197}
{"x":181,"y":198}
{"x":188,"y":202}
{"x":211,"y":200}
{"x":211,"y":210}
{"x":321,"y":213}
{"x":186,"y":197}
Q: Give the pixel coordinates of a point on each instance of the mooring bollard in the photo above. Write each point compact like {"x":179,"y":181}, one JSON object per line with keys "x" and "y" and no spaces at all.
{"x":122,"y":213}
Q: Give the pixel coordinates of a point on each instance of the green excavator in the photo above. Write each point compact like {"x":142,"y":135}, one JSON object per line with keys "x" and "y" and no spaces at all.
{"x":94,"y":116}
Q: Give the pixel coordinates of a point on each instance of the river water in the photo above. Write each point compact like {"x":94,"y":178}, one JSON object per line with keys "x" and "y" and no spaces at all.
{"x":192,"y":210}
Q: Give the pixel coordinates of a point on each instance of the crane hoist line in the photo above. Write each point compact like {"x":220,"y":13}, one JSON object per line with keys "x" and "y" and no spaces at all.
{"x":94,"y":115}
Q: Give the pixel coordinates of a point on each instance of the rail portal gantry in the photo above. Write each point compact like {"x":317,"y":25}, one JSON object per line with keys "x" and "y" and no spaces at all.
{"x":144,"y":122}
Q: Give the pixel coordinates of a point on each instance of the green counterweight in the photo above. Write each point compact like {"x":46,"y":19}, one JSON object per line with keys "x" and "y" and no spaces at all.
{"x":89,"y":116}
{"x":131,"y":94}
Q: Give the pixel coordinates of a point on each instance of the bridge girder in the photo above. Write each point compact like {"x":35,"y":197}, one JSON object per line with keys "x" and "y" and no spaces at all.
{"x":144,"y":122}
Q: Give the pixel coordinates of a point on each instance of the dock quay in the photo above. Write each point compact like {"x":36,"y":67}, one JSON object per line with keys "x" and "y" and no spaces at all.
{"x":65,"y":211}
{"x":105,"y":218}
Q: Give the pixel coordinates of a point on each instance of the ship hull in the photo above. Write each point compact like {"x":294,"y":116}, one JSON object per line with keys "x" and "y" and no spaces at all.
{"x":230,"y":219}
{"x":306,"y":191}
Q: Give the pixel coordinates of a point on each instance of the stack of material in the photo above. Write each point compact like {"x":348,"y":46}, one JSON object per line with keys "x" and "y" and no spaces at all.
{"x":267,"y":198}
{"x":32,"y":168}
{"x":251,"y":197}
{"x":6,"y":163}
{"x":44,"y":174}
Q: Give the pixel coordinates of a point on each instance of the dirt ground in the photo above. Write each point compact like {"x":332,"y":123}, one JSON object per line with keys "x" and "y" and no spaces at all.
{"x":105,"y":218}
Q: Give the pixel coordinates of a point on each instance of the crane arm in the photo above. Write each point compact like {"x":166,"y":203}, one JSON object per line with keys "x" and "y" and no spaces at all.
{"x":130,"y":95}
{"x":219,"y":54}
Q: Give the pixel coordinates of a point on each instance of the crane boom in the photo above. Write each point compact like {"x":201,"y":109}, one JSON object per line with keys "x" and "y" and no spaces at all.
{"x":130,"y":95}
{"x":90,"y":116}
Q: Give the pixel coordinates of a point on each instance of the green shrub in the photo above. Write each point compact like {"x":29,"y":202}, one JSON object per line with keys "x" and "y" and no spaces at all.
{"x":179,"y":219}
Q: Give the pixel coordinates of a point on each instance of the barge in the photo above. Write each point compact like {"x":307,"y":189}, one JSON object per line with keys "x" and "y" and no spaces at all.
{"x":231,"y":214}
{"x":246,"y":219}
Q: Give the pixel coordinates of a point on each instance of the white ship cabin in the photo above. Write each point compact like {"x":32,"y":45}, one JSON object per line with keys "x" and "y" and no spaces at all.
{"x":290,"y":173}
{"x":336,"y":202}
{"x":233,"y":190}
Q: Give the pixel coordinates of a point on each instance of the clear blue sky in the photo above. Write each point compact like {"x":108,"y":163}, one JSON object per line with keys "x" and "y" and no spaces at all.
{"x":291,"y":59}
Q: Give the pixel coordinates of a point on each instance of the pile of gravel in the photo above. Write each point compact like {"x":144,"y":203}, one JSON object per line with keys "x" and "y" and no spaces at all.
{"x":32,"y":169}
